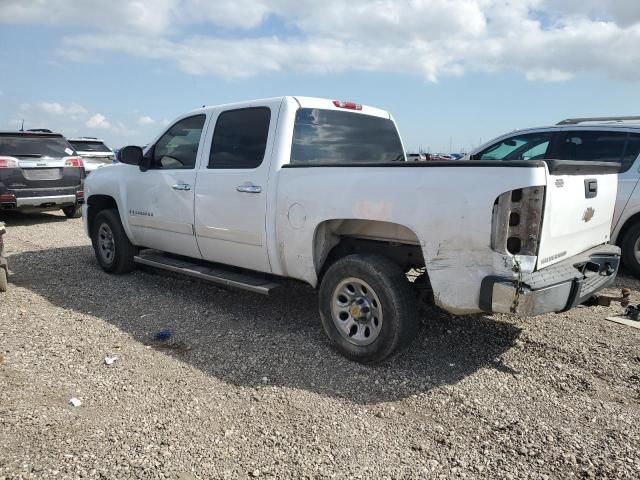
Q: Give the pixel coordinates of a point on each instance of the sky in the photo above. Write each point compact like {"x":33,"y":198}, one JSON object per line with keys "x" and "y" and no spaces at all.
{"x":453,"y":73}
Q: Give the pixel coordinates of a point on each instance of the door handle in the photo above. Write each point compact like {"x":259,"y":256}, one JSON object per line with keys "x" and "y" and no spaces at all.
{"x":249,"y":188}
{"x":181,"y":186}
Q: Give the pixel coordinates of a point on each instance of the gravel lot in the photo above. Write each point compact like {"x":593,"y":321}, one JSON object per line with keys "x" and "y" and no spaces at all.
{"x":248,"y":387}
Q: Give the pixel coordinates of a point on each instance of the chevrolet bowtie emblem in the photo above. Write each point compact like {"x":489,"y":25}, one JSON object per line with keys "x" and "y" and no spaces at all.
{"x":588,"y":214}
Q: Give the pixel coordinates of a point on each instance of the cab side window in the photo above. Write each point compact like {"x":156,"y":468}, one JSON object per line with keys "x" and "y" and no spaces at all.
{"x":178,"y":147}
{"x":532,"y":146}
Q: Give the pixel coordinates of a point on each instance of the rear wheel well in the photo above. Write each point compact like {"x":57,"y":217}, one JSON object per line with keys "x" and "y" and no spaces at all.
{"x":630,"y":222}
{"x":96,"y":204}
{"x":335,"y":239}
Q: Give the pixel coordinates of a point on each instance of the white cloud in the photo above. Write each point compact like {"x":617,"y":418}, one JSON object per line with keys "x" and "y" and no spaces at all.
{"x":146,"y":120}
{"x":60,"y":109}
{"x":542,"y":39}
{"x":98,"y":121}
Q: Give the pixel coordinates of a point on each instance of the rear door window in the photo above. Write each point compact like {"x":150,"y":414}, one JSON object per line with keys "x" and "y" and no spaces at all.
{"x":531,"y":146}
{"x":590,"y":145}
{"x":329,"y":136}
{"x":34,"y":145}
{"x":240,"y":138}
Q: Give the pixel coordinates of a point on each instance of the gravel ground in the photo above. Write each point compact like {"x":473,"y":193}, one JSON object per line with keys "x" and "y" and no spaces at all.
{"x":248,"y":387}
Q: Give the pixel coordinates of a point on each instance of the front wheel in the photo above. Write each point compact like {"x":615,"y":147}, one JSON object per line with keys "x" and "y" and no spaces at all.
{"x":630,"y":247}
{"x":367,"y":307}
{"x":112,"y":247}
{"x":72,"y":211}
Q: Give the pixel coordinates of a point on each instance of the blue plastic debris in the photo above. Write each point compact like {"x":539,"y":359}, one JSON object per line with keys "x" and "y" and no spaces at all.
{"x":164,"y":335}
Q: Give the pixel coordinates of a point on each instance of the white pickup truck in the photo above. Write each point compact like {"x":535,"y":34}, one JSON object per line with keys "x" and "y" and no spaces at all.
{"x":319,"y":191}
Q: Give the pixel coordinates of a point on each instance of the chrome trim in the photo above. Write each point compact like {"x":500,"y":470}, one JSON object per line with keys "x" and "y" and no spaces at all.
{"x":38,"y":201}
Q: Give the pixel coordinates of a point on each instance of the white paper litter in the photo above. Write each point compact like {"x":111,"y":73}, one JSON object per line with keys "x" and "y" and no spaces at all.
{"x":110,"y":360}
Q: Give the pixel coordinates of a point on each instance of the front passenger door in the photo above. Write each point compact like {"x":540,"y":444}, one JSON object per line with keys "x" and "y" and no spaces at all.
{"x":160,"y":200}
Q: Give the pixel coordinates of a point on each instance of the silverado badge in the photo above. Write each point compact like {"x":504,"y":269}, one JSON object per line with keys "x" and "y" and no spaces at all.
{"x":588,"y":214}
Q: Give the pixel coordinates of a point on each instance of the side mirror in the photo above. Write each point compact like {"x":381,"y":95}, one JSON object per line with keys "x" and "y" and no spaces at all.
{"x":131,"y":155}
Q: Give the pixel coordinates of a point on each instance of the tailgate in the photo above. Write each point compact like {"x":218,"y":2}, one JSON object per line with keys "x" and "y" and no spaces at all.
{"x":579,"y":203}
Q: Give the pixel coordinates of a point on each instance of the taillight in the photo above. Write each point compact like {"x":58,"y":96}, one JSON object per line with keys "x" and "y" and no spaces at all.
{"x":80,"y":194}
{"x":517,"y":216}
{"x":9,"y":197}
{"x":9,"y":162}
{"x":73,"y":162}
{"x":348,"y":105}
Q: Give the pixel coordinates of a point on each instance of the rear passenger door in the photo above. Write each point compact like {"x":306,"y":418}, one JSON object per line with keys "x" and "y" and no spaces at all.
{"x":232,"y":187}
{"x":603,"y":146}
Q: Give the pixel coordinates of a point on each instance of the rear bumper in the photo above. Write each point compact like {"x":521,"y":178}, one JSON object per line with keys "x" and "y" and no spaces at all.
{"x":557,"y":288}
{"x":46,"y":201}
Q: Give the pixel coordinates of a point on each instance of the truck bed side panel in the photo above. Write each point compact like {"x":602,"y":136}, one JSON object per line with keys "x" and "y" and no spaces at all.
{"x":448,"y":208}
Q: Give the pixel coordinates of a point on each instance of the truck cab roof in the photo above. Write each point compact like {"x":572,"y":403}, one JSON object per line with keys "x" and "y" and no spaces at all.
{"x":306,"y":102}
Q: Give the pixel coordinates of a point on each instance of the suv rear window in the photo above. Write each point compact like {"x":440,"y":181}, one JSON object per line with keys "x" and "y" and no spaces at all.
{"x":34,"y":145}
{"x":329,"y":136}
{"x":88,"y":146}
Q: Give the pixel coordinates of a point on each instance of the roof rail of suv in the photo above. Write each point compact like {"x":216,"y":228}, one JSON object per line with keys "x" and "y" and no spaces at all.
{"x":574,"y":121}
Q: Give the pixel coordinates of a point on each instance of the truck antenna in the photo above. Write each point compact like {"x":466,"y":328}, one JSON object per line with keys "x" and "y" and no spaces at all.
{"x":22,"y":126}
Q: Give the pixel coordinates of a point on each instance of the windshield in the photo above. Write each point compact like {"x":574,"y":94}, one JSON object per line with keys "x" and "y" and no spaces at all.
{"x":330,"y":136}
{"x":34,"y":145}
{"x":85,"y":146}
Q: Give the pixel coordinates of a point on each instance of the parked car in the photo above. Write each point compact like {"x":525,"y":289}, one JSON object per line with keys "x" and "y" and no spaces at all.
{"x":40,"y":171}
{"x":4,"y":269}
{"x":608,"y":139}
{"x":93,"y":151}
{"x":318,"y":190}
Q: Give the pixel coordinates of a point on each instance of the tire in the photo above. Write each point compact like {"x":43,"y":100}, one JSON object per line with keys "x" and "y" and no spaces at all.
{"x":72,"y":211}
{"x":386,"y":307}
{"x":111,"y":245}
{"x":3,"y":280}
{"x":628,"y":247}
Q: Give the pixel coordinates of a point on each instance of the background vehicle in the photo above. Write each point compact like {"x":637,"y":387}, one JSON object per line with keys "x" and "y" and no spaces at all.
{"x":40,"y":171}
{"x":319,"y":191}
{"x":608,"y":139}
{"x":94,"y":152}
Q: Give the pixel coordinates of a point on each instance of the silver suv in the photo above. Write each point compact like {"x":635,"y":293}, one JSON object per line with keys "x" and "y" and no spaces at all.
{"x":602,"y":139}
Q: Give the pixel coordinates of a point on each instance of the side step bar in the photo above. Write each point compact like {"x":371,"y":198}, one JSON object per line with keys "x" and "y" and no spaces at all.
{"x":206,"y":271}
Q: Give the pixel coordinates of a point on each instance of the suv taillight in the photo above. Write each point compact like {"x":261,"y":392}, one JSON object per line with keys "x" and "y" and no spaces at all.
{"x":517,"y":216}
{"x":73,"y":162}
{"x":9,"y":162}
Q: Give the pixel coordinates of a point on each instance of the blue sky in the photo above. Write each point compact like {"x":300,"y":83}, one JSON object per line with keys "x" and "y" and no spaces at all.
{"x":451,"y":72}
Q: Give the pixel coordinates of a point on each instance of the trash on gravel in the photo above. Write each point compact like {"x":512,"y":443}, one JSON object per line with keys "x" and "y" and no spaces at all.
{"x":625,"y":321}
{"x":110,"y":360}
{"x":74,"y":402}
{"x":163,"y":335}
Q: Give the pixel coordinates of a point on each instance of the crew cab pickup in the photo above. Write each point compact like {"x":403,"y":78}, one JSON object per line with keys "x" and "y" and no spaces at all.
{"x":319,"y":191}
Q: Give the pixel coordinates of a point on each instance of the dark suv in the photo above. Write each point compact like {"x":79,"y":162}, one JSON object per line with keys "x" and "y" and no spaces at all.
{"x":40,"y":171}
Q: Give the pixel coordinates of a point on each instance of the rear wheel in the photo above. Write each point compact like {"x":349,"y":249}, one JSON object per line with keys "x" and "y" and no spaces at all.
{"x":367,"y":307}
{"x":112,"y":247}
{"x":630,"y":246}
{"x":72,"y":211}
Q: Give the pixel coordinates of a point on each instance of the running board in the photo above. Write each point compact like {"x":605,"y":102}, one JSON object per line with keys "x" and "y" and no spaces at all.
{"x":206,"y":271}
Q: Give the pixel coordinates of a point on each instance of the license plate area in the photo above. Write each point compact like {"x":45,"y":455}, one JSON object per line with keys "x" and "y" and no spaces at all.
{"x":42,"y":173}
